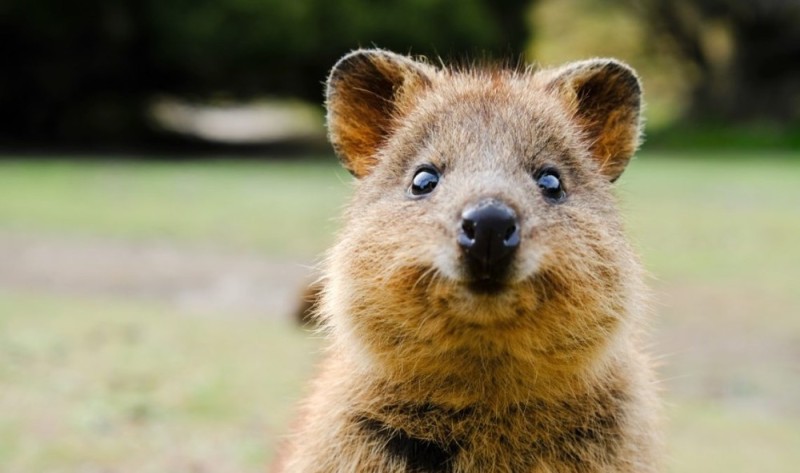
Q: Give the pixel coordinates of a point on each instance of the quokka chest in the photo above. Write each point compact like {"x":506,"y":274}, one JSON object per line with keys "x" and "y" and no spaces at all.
{"x":530,"y":437}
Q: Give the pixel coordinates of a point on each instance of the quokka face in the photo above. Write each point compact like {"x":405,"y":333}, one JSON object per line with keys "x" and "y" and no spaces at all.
{"x":483,"y":219}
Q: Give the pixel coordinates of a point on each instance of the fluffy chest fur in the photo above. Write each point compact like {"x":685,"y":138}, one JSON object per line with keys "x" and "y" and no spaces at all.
{"x":561,"y":435}
{"x":386,"y":427}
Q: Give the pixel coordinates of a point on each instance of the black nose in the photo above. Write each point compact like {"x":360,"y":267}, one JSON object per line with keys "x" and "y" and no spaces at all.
{"x":489,"y":235}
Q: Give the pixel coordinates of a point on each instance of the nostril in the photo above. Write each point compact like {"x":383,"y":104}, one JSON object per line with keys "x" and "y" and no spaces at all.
{"x":511,"y":238}
{"x":510,"y":232}
{"x":468,"y":226}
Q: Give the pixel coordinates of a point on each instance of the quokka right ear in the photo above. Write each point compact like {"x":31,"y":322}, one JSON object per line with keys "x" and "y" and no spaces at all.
{"x":605,"y":97}
{"x":367,"y":92}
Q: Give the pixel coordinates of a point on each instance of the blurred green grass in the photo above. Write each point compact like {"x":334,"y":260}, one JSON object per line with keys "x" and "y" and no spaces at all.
{"x":120,"y":385}
{"x":707,"y":437}
{"x":722,"y":217}
{"x":110,"y":384}
{"x":277,"y":208}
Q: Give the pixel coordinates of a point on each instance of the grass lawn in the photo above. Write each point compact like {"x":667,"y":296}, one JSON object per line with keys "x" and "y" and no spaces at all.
{"x":110,"y":385}
{"x":279,"y":208}
{"x":97,"y":382}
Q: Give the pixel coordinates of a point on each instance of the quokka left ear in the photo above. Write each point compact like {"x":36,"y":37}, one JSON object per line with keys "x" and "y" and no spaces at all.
{"x":605,"y":97}
{"x":368,"y":90}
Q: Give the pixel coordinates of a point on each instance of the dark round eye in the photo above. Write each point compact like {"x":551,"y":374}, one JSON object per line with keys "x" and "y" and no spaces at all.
{"x":425,"y":180}
{"x":550,"y":184}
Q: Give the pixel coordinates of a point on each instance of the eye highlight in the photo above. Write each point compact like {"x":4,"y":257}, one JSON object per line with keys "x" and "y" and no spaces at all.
{"x":549,"y":183}
{"x":426,"y":178}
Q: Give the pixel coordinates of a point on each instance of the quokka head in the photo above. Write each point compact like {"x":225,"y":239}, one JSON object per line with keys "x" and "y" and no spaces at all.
{"x":483,"y":198}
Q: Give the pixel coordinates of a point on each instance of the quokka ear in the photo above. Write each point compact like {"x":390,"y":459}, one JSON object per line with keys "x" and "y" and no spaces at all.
{"x":605,"y":97}
{"x":368,"y":90}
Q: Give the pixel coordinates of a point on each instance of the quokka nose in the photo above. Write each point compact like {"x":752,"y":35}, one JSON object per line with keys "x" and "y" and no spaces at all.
{"x":489,"y":235}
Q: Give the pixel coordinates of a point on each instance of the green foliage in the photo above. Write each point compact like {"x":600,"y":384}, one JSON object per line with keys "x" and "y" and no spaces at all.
{"x":83,"y":72}
{"x":248,"y":46}
{"x":720,"y":136}
{"x":705,"y":64}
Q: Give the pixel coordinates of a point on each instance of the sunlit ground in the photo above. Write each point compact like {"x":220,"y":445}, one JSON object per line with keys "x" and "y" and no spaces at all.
{"x":142,"y":328}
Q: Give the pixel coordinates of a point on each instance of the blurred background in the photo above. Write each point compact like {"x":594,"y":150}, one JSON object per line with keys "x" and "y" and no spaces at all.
{"x":166,"y":189}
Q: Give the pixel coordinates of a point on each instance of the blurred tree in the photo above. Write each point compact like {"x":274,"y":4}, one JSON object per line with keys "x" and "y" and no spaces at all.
{"x":744,"y":55}
{"x":251,"y":46}
{"x":72,"y":71}
{"x":83,"y":72}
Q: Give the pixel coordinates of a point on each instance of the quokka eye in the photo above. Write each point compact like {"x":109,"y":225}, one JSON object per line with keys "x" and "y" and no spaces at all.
{"x":425,"y":180}
{"x":549,"y":183}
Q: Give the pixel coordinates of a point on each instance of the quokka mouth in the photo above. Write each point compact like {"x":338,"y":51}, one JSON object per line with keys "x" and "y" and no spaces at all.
{"x":489,"y":279}
{"x":487,"y":286}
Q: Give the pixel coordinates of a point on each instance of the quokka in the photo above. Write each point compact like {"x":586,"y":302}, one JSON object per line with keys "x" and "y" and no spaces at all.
{"x":482,"y":303}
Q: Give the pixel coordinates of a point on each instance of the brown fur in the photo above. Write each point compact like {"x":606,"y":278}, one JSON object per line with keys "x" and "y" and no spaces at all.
{"x":308,"y":304}
{"x":424,"y":375}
